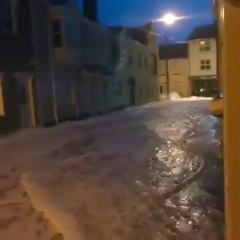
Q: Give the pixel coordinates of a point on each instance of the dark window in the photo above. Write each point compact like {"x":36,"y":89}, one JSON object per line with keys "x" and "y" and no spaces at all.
{"x":154,"y":62}
{"x":57,"y":33}
{"x":5,"y":17}
{"x":205,"y":64}
{"x":161,"y":89}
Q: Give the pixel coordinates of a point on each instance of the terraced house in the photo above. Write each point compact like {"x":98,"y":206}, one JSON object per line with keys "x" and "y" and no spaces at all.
{"x":202,"y":48}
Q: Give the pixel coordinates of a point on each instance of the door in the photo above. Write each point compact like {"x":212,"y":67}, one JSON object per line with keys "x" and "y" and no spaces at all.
{"x":132,"y":84}
{"x":26,"y":100}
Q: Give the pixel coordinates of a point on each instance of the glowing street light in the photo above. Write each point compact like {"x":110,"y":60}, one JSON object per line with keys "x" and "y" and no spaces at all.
{"x":169,"y":19}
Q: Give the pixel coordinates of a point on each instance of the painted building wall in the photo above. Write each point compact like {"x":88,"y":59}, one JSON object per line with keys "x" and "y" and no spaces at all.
{"x":178,"y":76}
{"x":203,"y":66}
{"x":143,"y":69}
{"x":84,"y":61}
{"x":196,"y":55}
{"x":43,"y":60}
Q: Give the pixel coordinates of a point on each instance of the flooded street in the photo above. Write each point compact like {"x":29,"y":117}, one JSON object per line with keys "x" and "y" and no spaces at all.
{"x":146,"y":173}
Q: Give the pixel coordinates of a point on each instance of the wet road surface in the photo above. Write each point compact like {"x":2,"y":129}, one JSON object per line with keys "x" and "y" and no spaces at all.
{"x":145,"y":173}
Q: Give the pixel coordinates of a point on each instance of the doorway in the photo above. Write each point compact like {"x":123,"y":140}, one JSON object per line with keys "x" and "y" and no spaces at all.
{"x":132,"y":85}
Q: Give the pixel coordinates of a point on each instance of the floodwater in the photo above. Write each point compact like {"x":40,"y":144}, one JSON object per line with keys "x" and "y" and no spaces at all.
{"x":144,"y":173}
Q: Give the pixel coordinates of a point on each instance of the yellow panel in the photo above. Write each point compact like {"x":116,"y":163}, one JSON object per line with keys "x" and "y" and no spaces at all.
{"x":230,"y":53}
{"x":31,"y":105}
{"x":2,"y":110}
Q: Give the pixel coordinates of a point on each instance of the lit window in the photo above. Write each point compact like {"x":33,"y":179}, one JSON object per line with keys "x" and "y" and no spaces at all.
{"x":57,"y":33}
{"x":205,"y":64}
{"x":2,"y":110}
{"x":204,"y":45}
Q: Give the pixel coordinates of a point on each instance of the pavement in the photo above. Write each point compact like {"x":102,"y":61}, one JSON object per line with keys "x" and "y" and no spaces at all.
{"x":147,"y":173}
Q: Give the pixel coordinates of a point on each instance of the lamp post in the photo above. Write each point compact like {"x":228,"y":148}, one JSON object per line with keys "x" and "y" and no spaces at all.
{"x":168,"y":19}
{"x":167,"y":66}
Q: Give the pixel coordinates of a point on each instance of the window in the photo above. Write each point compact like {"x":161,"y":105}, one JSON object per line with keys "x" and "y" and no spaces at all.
{"x":5,"y":17}
{"x":146,"y":62}
{"x":205,"y":64}
{"x":57,"y":33}
{"x":139,"y":59}
{"x":2,"y":110}
{"x":204,"y":45}
{"x":161,"y":89}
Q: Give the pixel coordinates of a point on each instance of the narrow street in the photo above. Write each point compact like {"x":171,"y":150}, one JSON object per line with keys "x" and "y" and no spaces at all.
{"x":145,"y":173}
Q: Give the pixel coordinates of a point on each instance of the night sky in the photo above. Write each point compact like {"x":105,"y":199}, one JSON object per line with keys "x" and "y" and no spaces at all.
{"x":138,"y":12}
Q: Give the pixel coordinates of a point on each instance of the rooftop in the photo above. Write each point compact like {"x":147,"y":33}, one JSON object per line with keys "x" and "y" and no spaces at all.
{"x":203,"y":31}
{"x":171,"y":51}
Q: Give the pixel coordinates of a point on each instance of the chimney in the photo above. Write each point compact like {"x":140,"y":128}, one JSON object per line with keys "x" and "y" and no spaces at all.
{"x":90,"y":10}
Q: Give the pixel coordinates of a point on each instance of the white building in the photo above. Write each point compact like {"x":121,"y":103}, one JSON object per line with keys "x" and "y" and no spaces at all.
{"x":202,"y":48}
{"x":137,"y":73}
{"x":178,"y":69}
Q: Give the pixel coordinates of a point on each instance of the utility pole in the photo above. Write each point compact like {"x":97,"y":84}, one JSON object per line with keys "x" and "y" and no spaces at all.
{"x":167,"y":66}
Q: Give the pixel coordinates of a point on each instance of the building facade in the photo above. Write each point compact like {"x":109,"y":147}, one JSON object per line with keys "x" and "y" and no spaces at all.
{"x":143,"y":70}
{"x":178,"y":71}
{"x":16,"y":66}
{"x":62,"y":66}
{"x":203,"y":66}
{"x":142,"y":65}
{"x":202,"y":47}
{"x":174,"y":58}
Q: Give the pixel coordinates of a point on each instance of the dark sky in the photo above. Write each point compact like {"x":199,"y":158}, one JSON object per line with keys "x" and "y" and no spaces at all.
{"x":138,"y":12}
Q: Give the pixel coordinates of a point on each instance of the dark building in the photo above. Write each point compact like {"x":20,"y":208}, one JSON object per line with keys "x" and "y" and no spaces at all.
{"x":16,"y":60}
{"x":90,"y":10}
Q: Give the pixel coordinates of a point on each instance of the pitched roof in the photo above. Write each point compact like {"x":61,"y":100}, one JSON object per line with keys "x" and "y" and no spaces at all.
{"x":203,"y":31}
{"x":179,"y":50}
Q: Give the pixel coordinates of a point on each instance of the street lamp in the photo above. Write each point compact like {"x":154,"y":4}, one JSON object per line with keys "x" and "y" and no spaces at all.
{"x":169,"y":19}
